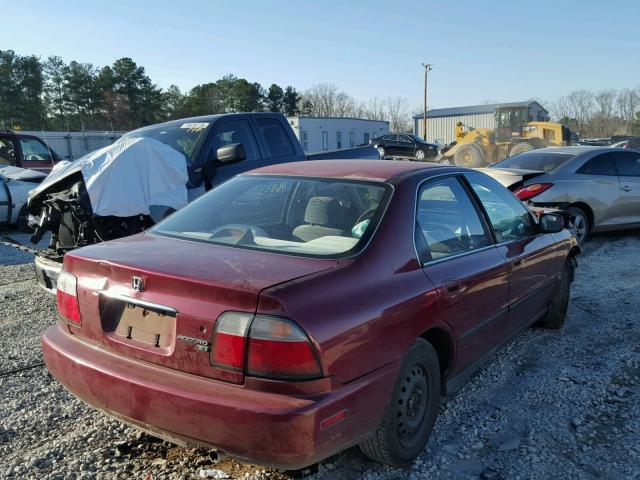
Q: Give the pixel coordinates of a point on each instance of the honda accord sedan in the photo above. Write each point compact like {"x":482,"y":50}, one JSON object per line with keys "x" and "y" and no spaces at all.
{"x":599,"y":187}
{"x":303,"y":308}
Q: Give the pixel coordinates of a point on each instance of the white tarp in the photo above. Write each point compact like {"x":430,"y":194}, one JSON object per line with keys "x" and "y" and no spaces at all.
{"x":125,"y":178}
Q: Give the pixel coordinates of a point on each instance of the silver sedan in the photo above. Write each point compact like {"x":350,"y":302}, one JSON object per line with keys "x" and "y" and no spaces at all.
{"x":598,"y":186}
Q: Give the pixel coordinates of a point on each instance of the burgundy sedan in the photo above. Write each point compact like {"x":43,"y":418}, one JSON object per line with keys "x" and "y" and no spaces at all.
{"x":303,"y":308}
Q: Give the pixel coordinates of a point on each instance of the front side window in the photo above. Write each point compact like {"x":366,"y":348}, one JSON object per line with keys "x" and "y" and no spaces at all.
{"x":448,"y":219}
{"x":628,"y":164}
{"x":234,"y":131}
{"x":35,"y":150}
{"x":300,"y":216}
{"x":509,"y":218}
{"x":599,"y":165}
{"x":7,"y":152}
{"x":274,"y":137}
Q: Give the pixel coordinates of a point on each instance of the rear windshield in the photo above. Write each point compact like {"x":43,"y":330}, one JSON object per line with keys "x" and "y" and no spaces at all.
{"x":300,"y":216}
{"x":540,"y":161}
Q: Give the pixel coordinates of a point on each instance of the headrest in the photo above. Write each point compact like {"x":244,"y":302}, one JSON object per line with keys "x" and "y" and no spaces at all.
{"x":321,"y":211}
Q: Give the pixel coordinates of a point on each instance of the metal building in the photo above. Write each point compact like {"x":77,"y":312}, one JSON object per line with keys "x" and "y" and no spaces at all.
{"x":72,"y":145}
{"x":317,"y":134}
{"x":441,"y":122}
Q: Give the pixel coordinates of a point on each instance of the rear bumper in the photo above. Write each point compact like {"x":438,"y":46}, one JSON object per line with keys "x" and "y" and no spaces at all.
{"x":47,"y":272}
{"x":262,"y":427}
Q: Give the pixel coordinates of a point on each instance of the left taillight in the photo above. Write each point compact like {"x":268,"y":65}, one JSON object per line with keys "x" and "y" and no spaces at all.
{"x":67,"y":296}
{"x":530,"y":191}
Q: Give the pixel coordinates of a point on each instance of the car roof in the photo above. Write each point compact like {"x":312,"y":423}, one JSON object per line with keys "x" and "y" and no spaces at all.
{"x":373,"y":170}
{"x":573,"y":150}
{"x":205,"y":118}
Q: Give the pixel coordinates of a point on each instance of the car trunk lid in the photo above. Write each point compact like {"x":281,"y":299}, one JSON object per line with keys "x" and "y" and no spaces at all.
{"x":511,"y":178}
{"x":157,"y":299}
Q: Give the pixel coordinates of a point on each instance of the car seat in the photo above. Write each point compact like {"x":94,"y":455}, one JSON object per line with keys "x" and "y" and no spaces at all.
{"x":322,"y":217}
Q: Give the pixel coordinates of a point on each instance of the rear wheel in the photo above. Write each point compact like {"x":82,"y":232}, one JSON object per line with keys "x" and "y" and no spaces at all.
{"x":555,"y":317}
{"x":382,"y":152}
{"x":469,"y":156}
{"x":520,"y":148}
{"x":579,"y":224}
{"x":409,"y":417}
{"x":420,"y":155}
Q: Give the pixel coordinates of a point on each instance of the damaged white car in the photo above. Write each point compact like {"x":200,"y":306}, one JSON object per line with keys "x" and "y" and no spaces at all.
{"x":15,"y":185}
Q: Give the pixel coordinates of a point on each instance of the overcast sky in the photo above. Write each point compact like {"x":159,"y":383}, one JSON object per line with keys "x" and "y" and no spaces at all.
{"x":481,"y":50}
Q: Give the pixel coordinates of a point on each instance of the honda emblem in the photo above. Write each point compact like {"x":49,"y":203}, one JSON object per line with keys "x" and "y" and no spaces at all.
{"x":137,"y":283}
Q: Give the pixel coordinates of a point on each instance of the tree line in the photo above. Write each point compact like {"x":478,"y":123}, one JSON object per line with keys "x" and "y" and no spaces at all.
{"x":600,"y":114}
{"x":51,"y":94}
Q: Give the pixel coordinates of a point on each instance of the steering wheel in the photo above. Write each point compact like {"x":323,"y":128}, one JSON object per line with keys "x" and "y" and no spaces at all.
{"x":366,"y":214}
{"x":241,"y":233}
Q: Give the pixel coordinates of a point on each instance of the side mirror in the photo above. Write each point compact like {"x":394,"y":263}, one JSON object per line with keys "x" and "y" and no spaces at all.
{"x":551,"y":223}
{"x":233,"y":152}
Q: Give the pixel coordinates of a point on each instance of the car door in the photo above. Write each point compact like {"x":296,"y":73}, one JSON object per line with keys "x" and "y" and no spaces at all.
{"x":597,"y":184}
{"x":391,"y":144}
{"x":35,"y":154}
{"x":226,"y":132}
{"x":406,"y":146}
{"x":628,"y":166}
{"x":532,"y":257}
{"x":461,"y":259}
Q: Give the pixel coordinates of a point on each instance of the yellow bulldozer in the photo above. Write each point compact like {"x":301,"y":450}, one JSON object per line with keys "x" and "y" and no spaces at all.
{"x":516,"y":131}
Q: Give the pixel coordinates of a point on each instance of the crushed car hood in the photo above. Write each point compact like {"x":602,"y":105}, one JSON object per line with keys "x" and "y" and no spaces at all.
{"x":125,"y":178}
{"x":511,"y":178}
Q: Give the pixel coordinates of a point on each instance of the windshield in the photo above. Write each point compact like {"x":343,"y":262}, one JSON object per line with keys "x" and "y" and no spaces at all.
{"x":535,"y":160}
{"x":184,"y":136}
{"x":306,"y":216}
{"x":417,"y":138}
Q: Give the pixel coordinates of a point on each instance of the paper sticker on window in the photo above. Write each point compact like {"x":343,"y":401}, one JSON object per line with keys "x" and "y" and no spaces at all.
{"x":195,"y":126}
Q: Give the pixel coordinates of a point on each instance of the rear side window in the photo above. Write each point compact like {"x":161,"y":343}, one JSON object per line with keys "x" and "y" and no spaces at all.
{"x":509,"y":218}
{"x":34,"y":150}
{"x":599,"y":165}
{"x":448,"y":219}
{"x":274,"y":137}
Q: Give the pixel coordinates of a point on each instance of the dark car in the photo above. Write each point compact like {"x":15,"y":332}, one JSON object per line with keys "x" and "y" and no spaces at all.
{"x":26,"y":151}
{"x":599,"y":187}
{"x":404,"y":145}
{"x":299,"y":309}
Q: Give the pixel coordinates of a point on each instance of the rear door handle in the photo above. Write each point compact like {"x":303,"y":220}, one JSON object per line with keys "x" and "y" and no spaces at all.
{"x":625,"y":188}
{"x":453,"y":287}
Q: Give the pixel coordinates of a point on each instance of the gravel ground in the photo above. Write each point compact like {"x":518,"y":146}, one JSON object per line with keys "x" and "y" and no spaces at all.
{"x":548,"y":405}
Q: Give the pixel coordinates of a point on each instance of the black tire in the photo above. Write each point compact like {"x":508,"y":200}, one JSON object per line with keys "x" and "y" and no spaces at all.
{"x":520,"y":148}
{"x":469,"y":155}
{"x":579,"y":224}
{"x":411,"y":412}
{"x":381,"y":151}
{"x":420,"y":155}
{"x":557,"y":313}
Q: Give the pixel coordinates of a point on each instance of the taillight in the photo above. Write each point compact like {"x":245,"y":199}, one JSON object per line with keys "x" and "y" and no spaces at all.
{"x":263,"y":346}
{"x":278,"y":348}
{"x":530,"y":191}
{"x":67,"y":296}
{"x":230,"y":341}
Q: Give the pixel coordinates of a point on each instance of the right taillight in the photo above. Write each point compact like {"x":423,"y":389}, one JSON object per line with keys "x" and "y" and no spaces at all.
{"x":67,"y":297}
{"x":530,"y":191}
{"x":263,"y":346}
{"x":278,"y":348}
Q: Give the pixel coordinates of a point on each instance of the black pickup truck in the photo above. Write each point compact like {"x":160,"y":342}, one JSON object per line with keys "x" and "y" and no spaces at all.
{"x":215,"y":148}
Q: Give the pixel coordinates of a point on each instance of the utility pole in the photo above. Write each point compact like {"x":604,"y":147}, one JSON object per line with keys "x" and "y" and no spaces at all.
{"x":427,"y":68}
